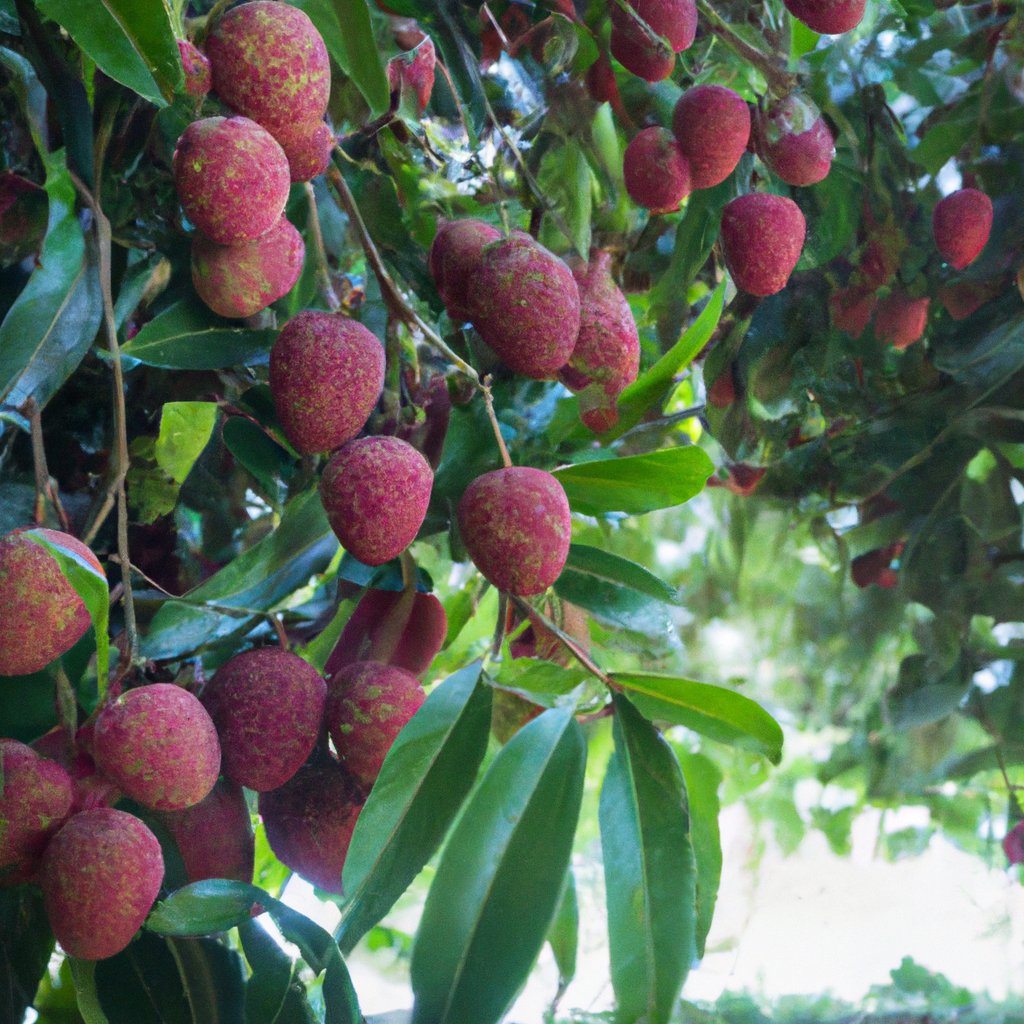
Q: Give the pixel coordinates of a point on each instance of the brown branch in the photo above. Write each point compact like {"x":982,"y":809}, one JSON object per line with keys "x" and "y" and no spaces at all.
{"x":506,"y":459}
{"x":320,"y":253}
{"x":44,"y":488}
{"x":779,"y":80}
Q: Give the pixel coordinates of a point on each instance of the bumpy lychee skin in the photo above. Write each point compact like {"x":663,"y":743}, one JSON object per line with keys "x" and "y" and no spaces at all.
{"x":675,"y":21}
{"x":232,"y":178}
{"x":159,"y":745}
{"x":368,"y":704}
{"x":900,"y":319}
{"x":712,"y":126}
{"x":100,"y":874}
{"x":37,"y":795}
{"x":91,"y":787}
{"x":525,"y":304}
{"x":266,"y":705}
{"x":851,"y":309}
{"x":516,"y":526}
{"x":637,"y":53}
{"x":308,"y":151}
{"x":375,"y":491}
{"x":453,"y":260}
{"x":657,"y":174}
{"x":961,"y":224}
{"x":762,"y":237}
{"x":326,"y":374}
{"x":270,"y":63}
{"x":196,"y":66}
{"x":41,"y":615}
{"x":600,"y":80}
{"x":795,"y":142}
{"x":239,"y":280}
{"x":829,"y":17}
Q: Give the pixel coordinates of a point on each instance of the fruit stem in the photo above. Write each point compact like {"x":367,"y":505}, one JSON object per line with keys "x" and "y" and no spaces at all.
{"x":778,"y":80}
{"x":67,"y":703}
{"x":408,"y":570}
{"x":323,"y":270}
{"x":44,"y":488}
{"x":506,"y":459}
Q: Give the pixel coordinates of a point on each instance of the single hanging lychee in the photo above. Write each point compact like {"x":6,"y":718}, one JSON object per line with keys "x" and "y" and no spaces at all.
{"x":762,"y":238}
{"x":674,"y":26}
{"x":712,"y":126}
{"x":453,"y":259}
{"x":656,"y":173}
{"x":900,"y":318}
{"x":794,"y":141}
{"x":828,"y":17}
{"x":961,"y":224}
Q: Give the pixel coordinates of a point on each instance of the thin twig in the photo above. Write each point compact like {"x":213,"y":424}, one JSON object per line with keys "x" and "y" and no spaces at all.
{"x":779,"y":81}
{"x":499,"y":625}
{"x":320,"y":253}
{"x":278,"y":625}
{"x":506,"y":459}
{"x":44,"y":488}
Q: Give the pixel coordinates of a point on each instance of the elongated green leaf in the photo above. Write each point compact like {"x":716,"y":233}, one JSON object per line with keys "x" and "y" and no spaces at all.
{"x":189,"y":337}
{"x":713,"y":711}
{"x":535,"y":675}
{"x":636,"y":483}
{"x":650,"y":877}
{"x":142,"y":985}
{"x":267,"y":991}
{"x":427,"y":774}
{"x":702,"y":781}
{"x":185,"y":430}
{"x":563,"y":936}
{"x":604,"y":568}
{"x":500,"y":876}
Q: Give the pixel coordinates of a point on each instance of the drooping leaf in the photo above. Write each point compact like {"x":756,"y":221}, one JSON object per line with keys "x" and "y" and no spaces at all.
{"x":26,"y":943}
{"x":702,"y":781}
{"x":142,"y":985}
{"x":563,"y":936}
{"x":605,"y":568}
{"x":269,"y":992}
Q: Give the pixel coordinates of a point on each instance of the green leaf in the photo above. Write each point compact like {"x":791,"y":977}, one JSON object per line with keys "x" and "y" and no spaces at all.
{"x":188,"y":336}
{"x":565,"y":177}
{"x":702,"y":781}
{"x":261,"y":455}
{"x":500,"y":876}
{"x":83,"y":973}
{"x":142,"y":985}
{"x":606,"y":569}
{"x":426,"y":776}
{"x":535,"y":675}
{"x":270,"y":997}
{"x":650,"y":876}
{"x":185,"y":430}
{"x":26,"y":943}
{"x":636,"y":484}
{"x":563,"y":936}
{"x":713,"y":711}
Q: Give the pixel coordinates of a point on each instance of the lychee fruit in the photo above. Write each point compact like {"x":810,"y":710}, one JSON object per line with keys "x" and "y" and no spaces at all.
{"x":1013,"y":844}
{"x":851,"y":308}
{"x":100,"y":874}
{"x":900,"y":318}
{"x":368,"y":705}
{"x":516,"y":526}
{"x":159,"y":745}
{"x":600,"y":80}
{"x":656,"y":173}
{"x":762,"y":237}
{"x":239,"y":280}
{"x":232,"y":178}
{"x":375,"y":491}
{"x":326,"y":374}
{"x":673,"y":21}
{"x":961,"y":224}
{"x":266,"y":705}
{"x":794,"y":141}
{"x":308,"y":151}
{"x":712,"y":125}
{"x":414,"y":71}
{"x":453,"y":260}
{"x":91,"y":787}
{"x":828,"y":17}
{"x":962,"y":298}
{"x":196,"y":65}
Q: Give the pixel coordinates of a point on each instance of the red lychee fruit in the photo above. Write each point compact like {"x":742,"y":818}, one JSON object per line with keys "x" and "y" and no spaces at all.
{"x":1013,"y":844}
{"x":874,"y":567}
{"x":232,"y":178}
{"x":91,"y":787}
{"x":414,"y":71}
{"x":368,"y":704}
{"x":308,"y":151}
{"x":600,"y":79}
{"x":326,"y":374}
{"x":794,"y":141}
{"x":900,"y":319}
{"x":651,"y":60}
{"x":961,"y":224}
{"x":375,"y":491}
{"x":963,"y":298}
{"x":851,"y":309}
{"x":762,"y":237}
{"x":712,"y":125}
{"x":159,"y":745}
{"x":828,"y":17}
{"x":198,"y":77}
{"x":270,"y":63}
{"x":453,"y":260}
{"x":100,"y":874}
{"x":516,"y":526}
{"x":241,"y":279}
{"x":657,"y":174}
{"x":674,"y":21}
{"x":881,"y":257}
{"x":41,"y":614}
{"x":266,"y":705}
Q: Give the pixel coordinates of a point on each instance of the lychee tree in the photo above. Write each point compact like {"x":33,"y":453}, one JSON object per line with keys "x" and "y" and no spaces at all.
{"x":346,"y":350}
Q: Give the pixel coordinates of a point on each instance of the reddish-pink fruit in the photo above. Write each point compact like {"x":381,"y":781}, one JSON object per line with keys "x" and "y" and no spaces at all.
{"x":100,"y":874}
{"x":961,"y":224}
{"x":963,"y":298}
{"x":159,"y":745}
{"x":712,"y":126}
{"x":36,"y":797}
{"x":453,"y":260}
{"x":415,"y":71}
{"x":326,"y":374}
{"x":651,"y":60}
{"x":215,"y":836}
{"x":674,"y":21}
{"x":881,"y":257}
{"x":196,"y":66}
{"x":309,"y":820}
{"x":1013,"y":844}
{"x":762,"y":237}
{"x":657,"y":174}
{"x":829,"y":17}
{"x":398,"y":627}
{"x":900,"y":319}
{"x":41,"y":614}
{"x":91,"y":787}
{"x":270,"y":63}
{"x":851,"y":309}
{"x":368,"y":705}
{"x":308,"y":151}
{"x":526,"y":306}
{"x":794,"y":141}
{"x":241,"y":279}
{"x":266,"y":705}
{"x":375,"y":491}
{"x":516,"y":526}
{"x":600,"y":80}
{"x":232,"y":178}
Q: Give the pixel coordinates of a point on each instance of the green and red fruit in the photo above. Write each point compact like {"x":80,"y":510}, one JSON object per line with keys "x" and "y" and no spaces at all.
{"x":100,"y":874}
{"x":196,"y":65}
{"x":712,"y":125}
{"x":308,"y":151}
{"x":961,"y":224}
{"x":828,"y":17}
{"x":656,"y":173}
{"x":159,"y":746}
{"x":900,"y":319}
{"x":516,"y":526}
{"x":239,"y":280}
{"x":851,"y":309}
{"x":267,"y":705}
{"x":232,"y":178}
{"x":453,"y":260}
{"x":762,"y":238}
{"x":326,"y":374}
{"x":794,"y":141}
{"x":414,"y":71}
{"x":375,"y":491}
{"x":674,"y":22}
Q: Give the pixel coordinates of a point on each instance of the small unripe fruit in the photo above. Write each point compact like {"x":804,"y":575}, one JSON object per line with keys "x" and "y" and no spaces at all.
{"x":266,"y":705}
{"x":159,"y":745}
{"x":375,"y":491}
{"x":829,"y":17}
{"x":308,"y":151}
{"x":196,"y":66}
{"x":712,"y":126}
{"x":795,"y":142}
{"x":674,"y":21}
{"x":239,"y":280}
{"x":657,"y":174}
{"x":232,"y":178}
{"x":762,"y":237}
{"x":900,"y":319}
{"x":961,"y":224}
{"x":453,"y":260}
{"x":326,"y":374}
{"x":516,"y":526}
{"x":100,"y":875}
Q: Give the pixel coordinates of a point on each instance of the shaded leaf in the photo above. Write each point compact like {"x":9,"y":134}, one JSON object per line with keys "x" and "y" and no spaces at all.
{"x":702,"y":781}
{"x":26,"y":943}
{"x":563,"y":936}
